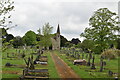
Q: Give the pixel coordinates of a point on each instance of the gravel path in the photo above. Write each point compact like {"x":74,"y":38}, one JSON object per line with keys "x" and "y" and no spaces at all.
{"x":65,"y":72}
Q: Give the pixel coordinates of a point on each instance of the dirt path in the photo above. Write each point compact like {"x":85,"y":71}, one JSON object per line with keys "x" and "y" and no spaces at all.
{"x":65,"y":72}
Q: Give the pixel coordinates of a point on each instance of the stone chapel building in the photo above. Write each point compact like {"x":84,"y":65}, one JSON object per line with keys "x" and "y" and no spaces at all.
{"x":56,"y":40}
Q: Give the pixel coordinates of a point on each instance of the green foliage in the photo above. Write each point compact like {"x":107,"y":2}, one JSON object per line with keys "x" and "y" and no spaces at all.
{"x":63,"y":41}
{"x":39,"y":31}
{"x":47,"y":29}
{"x":68,"y":44}
{"x":29,"y":38}
{"x":110,"y":53}
{"x":87,"y":45}
{"x":104,"y":25}
{"x":6,"y":6}
{"x":118,"y":43}
{"x":17,"y":41}
{"x":52,"y":70}
{"x":46,"y":39}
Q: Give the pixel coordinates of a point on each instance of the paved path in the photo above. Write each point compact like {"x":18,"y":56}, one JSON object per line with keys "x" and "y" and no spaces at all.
{"x":65,"y":72}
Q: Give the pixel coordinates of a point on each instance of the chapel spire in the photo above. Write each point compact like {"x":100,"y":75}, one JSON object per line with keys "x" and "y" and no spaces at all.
{"x":58,"y":29}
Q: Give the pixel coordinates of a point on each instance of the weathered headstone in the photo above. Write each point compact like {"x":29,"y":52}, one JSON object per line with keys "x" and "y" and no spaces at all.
{"x":93,"y":65}
{"x":110,"y":73}
{"x":86,"y":55}
{"x":88,"y":63}
{"x":82,"y":55}
{"x":101,"y":64}
{"x":8,"y":64}
{"x":7,"y":55}
{"x":104,"y":63}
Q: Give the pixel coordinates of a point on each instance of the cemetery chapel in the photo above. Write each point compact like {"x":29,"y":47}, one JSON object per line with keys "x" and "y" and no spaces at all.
{"x":56,"y":40}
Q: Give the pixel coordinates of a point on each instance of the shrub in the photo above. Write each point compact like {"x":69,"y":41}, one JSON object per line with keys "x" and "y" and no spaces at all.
{"x":110,"y":53}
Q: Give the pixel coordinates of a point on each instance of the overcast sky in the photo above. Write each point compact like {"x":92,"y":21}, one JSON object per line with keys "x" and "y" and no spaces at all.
{"x":72,"y":15}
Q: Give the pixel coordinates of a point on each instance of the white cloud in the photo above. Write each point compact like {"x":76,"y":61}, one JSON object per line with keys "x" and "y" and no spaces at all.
{"x":73,"y":16}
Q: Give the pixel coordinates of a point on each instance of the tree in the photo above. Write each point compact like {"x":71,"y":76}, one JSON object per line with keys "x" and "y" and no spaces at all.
{"x":63,"y":41}
{"x":39,"y":31}
{"x":6,"y":6}
{"x":46,"y":40}
{"x":75,"y":41}
{"x":104,"y":26}
{"x":29,"y":38}
{"x":17,"y":41}
{"x":9,"y":37}
{"x":87,"y":45}
{"x":47,"y":29}
{"x":68,"y":44}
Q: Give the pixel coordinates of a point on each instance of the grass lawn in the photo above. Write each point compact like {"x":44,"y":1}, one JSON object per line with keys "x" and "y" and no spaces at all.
{"x":16,"y":71}
{"x":52,"y":70}
{"x":86,"y":72}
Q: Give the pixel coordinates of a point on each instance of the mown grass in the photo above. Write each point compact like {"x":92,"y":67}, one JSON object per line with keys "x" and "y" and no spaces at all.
{"x":8,"y":72}
{"x":79,"y":71}
{"x":85,"y":71}
{"x":52,"y":70}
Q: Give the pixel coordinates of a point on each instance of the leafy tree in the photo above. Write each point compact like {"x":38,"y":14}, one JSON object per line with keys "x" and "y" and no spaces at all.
{"x":46,"y":40}
{"x":47,"y":29}
{"x":63,"y":41}
{"x":39,"y":31}
{"x":4,"y":34}
{"x":30,"y":38}
{"x":68,"y":44}
{"x":39,"y":37}
{"x":75,"y":41}
{"x":87,"y":45}
{"x":6,"y":6}
{"x":17,"y":41}
{"x":104,"y":26}
{"x":9,"y":37}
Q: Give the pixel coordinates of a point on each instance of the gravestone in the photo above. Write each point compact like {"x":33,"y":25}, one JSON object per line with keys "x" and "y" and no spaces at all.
{"x":7,"y":55}
{"x":101,"y":64}
{"x":88,"y":63}
{"x":78,"y":56}
{"x":104,"y":63}
{"x":82,"y":55}
{"x":86,"y":55}
{"x":8,"y":64}
{"x":93,"y":65}
{"x":110,"y":73}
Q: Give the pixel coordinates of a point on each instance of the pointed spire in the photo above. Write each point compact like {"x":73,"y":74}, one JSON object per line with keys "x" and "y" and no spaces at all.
{"x":58,"y":29}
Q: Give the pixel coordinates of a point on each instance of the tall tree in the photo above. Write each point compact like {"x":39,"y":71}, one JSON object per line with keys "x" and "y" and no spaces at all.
{"x":46,"y":31}
{"x":39,"y":31}
{"x":63,"y":40}
{"x":75,"y":41}
{"x":104,"y":26}
{"x":6,"y":6}
{"x":29,"y":38}
{"x":17,"y":41}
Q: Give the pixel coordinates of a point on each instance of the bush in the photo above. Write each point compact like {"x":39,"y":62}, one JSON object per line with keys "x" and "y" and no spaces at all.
{"x":110,"y":53}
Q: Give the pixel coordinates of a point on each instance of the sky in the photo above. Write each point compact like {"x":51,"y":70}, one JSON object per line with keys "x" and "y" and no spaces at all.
{"x":71,"y":15}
